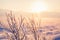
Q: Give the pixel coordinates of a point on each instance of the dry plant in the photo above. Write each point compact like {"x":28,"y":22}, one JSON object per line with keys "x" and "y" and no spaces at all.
{"x":15,"y":30}
{"x":18,"y":32}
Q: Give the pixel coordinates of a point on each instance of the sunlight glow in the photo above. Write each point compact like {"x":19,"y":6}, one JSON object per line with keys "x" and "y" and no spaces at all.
{"x":38,"y":7}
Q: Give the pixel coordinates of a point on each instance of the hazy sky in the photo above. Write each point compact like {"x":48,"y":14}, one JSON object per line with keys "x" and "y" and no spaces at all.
{"x":24,"y":5}
{"x":17,"y":5}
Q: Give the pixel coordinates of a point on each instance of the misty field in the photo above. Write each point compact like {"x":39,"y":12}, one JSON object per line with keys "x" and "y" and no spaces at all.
{"x":26,"y":28}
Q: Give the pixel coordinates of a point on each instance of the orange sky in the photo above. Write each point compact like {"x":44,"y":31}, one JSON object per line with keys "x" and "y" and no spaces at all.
{"x":24,"y":5}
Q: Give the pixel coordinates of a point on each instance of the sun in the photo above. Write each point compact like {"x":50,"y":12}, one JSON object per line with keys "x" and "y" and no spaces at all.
{"x":38,"y":7}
